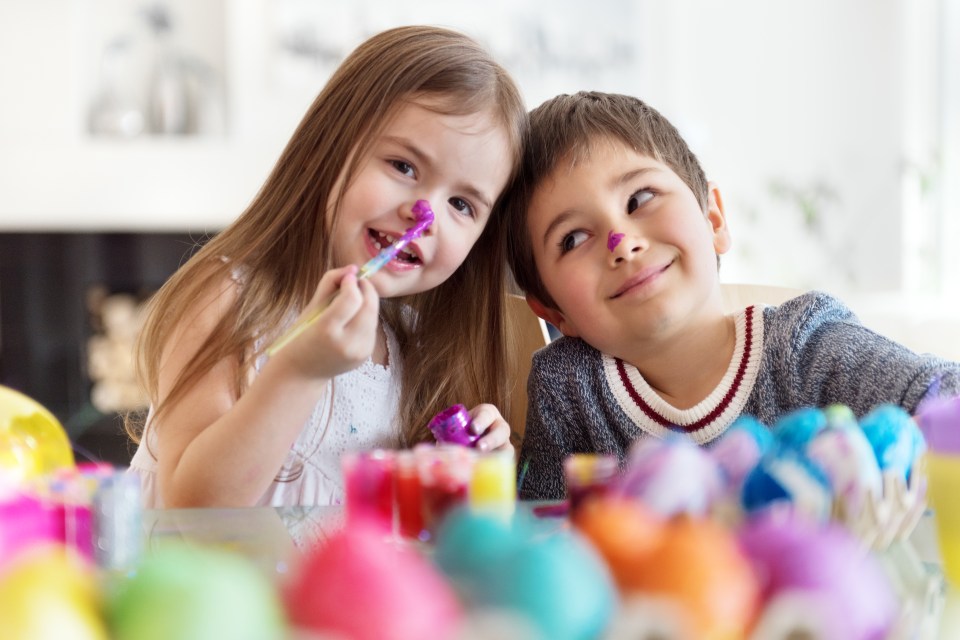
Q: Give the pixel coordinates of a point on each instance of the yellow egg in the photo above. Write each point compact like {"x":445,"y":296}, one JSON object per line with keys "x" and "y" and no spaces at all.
{"x":50,"y":594}
{"x":32,"y":440}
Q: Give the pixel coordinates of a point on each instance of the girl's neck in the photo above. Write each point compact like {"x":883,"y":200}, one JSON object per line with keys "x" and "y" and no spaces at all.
{"x":686,"y":368}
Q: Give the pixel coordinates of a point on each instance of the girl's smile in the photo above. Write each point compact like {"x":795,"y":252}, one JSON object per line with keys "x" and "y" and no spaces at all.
{"x":458,"y":163}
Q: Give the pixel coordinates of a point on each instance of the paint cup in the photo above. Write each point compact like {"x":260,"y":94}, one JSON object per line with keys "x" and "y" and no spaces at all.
{"x":445,"y":472}
{"x":452,"y":426}
{"x":368,"y":478}
{"x":588,"y":474}
{"x":939,"y":422}
{"x":407,"y":494}
{"x":493,"y":485}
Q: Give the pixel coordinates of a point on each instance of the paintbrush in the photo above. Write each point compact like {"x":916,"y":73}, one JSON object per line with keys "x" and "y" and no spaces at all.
{"x":424,"y":217}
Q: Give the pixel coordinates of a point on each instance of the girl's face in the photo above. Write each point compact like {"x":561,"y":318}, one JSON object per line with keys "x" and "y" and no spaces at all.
{"x":459,"y":164}
{"x":624,"y":249}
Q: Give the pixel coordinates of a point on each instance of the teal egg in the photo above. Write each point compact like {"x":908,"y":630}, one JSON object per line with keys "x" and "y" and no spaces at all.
{"x":196,"y":593}
{"x":896,"y":439}
{"x":559,"y":583}
{"x":799,"y":427}
{"x":470,"y":543}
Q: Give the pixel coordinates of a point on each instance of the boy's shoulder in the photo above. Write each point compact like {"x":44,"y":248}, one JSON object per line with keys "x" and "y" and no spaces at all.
{"x":565,"y":352}
{"x":809,"y":309}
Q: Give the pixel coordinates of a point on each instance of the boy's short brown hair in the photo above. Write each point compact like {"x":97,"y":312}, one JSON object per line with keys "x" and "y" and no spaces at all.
{"x":565,"y":128}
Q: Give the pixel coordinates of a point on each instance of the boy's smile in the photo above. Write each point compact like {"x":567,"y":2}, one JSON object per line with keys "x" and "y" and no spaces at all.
{"x":657,"y":279}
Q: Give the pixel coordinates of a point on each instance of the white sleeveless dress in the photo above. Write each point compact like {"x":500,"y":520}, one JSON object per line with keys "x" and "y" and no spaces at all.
{"x":365,"y":403}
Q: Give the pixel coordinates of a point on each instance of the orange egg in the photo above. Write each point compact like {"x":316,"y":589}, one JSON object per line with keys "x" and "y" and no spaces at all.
{"x":623,"y":530}
{"x":699,"y":566}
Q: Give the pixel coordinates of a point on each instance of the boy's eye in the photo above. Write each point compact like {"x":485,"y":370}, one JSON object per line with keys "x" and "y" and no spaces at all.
{"x":404,"y":168}
{"x":462,"y":206}
{"x":572,"y":240}
{"x":639,"y":199}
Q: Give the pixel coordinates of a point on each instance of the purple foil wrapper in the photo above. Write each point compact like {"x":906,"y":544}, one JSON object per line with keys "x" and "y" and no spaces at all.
{"x":452,"y":426}
{"x":939,"y":421}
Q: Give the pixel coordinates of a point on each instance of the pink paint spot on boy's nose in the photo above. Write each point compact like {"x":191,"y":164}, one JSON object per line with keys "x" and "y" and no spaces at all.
{"x":613,"y":239}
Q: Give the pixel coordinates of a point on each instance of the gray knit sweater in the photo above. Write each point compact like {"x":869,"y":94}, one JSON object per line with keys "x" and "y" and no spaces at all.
{"x":809,"y":351}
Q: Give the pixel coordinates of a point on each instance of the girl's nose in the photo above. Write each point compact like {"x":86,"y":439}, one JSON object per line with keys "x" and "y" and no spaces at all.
{"x":411,"y":214}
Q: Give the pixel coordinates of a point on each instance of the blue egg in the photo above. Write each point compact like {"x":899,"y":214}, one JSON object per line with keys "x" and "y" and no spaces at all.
{"x":895,"y":437}
{"x":560,"y":584}
{"x":787,"y":476}
{"x":799,"y":427}
{"x":758,"y":431}
{"x":469,"y":543}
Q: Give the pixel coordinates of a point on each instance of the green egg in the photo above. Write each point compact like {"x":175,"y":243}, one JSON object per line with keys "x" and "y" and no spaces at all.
{"x":196,"y":593}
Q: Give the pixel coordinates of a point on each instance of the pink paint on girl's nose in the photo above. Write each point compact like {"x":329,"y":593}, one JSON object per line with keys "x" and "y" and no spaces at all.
{"x":613,"y":239}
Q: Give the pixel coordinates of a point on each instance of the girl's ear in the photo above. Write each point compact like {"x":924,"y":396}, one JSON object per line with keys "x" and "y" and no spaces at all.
{"x":717,"y":219}
{"x":553,"y":316}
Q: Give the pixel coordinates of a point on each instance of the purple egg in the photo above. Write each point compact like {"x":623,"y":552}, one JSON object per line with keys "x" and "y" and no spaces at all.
{"x":791,"y":554}
{"x":671,"y":476}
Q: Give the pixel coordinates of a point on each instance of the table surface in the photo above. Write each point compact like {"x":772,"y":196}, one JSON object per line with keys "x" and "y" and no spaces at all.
{"x":272,"y":538}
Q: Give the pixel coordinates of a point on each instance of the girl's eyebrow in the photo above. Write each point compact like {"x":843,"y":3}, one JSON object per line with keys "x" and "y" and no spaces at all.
{"x":425,"y":160}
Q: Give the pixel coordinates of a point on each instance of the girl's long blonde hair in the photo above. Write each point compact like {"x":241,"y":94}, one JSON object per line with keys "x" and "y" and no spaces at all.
{"x":453,"y":343}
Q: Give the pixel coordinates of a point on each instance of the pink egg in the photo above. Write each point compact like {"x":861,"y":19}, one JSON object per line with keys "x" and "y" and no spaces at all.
{"x":363,"y":586}
{"x":795,"y":555}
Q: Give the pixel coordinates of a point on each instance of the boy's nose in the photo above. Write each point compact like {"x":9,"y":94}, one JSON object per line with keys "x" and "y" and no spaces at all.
{"x":625,"y":249}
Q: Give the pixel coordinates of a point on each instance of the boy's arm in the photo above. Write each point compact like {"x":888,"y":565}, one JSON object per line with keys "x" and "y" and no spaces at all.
{"x":833,"y":358}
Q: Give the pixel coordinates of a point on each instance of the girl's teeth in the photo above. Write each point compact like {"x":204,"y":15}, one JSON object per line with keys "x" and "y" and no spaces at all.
{"x":389,"y":239}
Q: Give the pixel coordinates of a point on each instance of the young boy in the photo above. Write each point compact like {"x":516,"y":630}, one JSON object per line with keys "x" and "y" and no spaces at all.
{"x":615,"y":236}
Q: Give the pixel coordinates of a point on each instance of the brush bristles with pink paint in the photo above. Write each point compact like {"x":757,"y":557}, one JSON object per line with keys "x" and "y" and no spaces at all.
{"x":424,"y":217}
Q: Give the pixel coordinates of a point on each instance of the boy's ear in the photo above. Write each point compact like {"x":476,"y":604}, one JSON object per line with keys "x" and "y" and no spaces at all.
{"x":717,"y":219}
{"x":551,"y":315}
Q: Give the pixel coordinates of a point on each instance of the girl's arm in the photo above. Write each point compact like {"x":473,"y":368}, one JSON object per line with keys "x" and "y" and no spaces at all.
{"x":215,"y":449}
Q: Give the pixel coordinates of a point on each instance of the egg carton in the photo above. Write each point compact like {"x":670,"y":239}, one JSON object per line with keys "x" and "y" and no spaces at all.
{"x":880,"y":520}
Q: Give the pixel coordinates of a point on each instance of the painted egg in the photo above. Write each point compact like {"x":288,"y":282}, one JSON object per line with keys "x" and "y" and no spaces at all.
{"x":623,"y":530}
{"x":699,"y":567}
{"x":827,"y":564}
{"x":799,"y":427}
{"x":50,"y":594}
{"x":848,"y":460}
{"x":786,"y":477}
{"x":739,"y":449}
{"x":32,"y":441}
{"x":359,"y":585}
{"x":896,"y":439}
{"x":560,"y":583}
{"x":556,"y":581}
{"x":671,"y":476}
{"x":192,"y":593}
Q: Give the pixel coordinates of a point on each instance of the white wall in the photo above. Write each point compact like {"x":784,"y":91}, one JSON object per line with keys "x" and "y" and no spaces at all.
{"x":766,"y":92}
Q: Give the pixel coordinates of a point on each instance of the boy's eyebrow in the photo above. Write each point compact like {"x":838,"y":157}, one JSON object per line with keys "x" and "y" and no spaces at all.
{"x":423,"y":159}
{"x":616,"y":182}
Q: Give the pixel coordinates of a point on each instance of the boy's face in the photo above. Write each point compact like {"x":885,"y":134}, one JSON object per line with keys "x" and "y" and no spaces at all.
{"x":614,"y":290}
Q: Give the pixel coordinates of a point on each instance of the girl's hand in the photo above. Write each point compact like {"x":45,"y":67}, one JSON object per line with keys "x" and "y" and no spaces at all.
{"x":345,"y":334}
{"x":486,"y":420}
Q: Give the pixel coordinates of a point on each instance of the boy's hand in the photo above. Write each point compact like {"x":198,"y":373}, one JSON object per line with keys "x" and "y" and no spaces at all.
{"x":345,"y":333}
{"x":486,"y":420}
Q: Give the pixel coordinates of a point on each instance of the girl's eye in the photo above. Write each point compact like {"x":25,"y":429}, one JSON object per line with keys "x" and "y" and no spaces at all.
{"x":404,"y":168}
{"x":639,"y":199}
{"x":571,"y":241}
{"x":462,"y":206}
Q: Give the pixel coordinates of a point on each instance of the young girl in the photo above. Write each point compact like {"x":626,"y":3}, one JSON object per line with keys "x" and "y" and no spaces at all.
{"x":413,"y":113}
